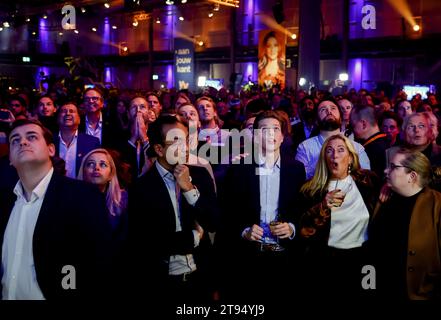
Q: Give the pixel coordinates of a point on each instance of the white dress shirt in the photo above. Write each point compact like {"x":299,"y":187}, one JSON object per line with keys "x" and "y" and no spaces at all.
{"x":69,"y":154}
{"x":179,"y":264}
{"x":308,"y":152}
{"x":95,"y":132}
{"x":19,"y":278}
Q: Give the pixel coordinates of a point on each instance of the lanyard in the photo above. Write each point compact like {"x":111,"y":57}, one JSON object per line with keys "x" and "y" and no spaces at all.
{"x":382,"y":135}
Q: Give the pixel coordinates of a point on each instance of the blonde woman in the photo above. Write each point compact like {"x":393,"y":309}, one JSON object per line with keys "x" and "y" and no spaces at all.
{"x":338,"y":202}
{"x":99,"y":168}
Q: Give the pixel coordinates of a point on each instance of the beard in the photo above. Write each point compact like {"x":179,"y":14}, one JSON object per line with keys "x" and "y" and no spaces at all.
{"x":329,"y":124}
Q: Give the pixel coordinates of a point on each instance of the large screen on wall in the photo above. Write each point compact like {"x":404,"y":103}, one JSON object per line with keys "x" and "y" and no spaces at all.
{"x":422,"y":90}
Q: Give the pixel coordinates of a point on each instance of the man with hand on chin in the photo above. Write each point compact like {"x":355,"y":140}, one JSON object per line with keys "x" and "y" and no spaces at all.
{"x":176,"y":206}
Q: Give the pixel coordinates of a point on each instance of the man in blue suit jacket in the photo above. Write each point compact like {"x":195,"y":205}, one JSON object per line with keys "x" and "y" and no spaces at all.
{"x":54,"y":231}
{"x":254,"y":195}
{"x":70,"y":145}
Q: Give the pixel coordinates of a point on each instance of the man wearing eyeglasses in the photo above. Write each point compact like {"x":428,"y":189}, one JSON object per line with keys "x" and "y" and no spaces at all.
{"x":96,"y":123}
{"x":175,"y":205}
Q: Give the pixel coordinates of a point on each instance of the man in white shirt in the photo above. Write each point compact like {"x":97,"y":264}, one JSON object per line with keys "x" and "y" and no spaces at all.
{"x":47,"y":234}
{"x":70,"y":145}
{"x":255,"y":196}
{"x":178,"y":204}
{"x":329,"y":120}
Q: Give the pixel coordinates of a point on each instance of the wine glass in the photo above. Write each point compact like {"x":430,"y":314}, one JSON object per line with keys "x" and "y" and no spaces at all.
{"x":276,"y":246}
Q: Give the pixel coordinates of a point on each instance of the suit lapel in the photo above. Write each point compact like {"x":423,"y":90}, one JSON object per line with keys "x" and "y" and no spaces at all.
{"x":163,"y":197}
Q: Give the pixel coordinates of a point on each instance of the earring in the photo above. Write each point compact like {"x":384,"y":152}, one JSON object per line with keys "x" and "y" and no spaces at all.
{"x":349,"y":168}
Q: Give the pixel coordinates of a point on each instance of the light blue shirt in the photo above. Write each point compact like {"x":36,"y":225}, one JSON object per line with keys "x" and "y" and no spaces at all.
{"x":308,"y":153}
{"x":269,"y":186}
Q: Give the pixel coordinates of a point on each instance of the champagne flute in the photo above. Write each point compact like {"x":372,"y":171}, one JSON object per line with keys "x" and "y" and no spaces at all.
{"x":276,"y":246}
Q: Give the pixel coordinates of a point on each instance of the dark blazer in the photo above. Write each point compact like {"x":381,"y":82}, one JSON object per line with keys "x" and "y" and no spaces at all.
{"x":245,"y":272}
{"x":72,"y":229}
{"x":110,"y":134}
{"x":154,"y":230}
{"x":85,"y":144}
{"x":240,"y":196}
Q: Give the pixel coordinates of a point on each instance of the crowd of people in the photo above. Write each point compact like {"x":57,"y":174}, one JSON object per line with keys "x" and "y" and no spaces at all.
{"x":231,"y":197}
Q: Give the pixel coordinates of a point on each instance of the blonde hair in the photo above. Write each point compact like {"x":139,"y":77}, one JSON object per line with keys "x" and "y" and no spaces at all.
{"x":113,"y":190}
{"x":414,"y":161}
{"x":213,"y":104}
{"x":320,"y":180}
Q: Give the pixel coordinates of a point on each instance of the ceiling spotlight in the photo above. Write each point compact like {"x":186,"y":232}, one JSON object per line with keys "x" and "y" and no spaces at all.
{"x":94,"y":29}
{"x":183,"y":1}
{"x":34,"y":33}
{"x":125,"y":49}
{"x":45,"y":16}
{"x":28,"y":20}
{"x":60,"y":33}
{"x":83,"y":10}
{"x":76,"y":31}
{"x":135,"y":23}
{"x":158,"y":20}
{"x":181,"y":18}
{"x":210,"y":14}
{"x":114,"y":27}
{"x":107,"y":5}
{"x":293,"y":36}
{"x":216,"y":7}
{"x":302,"y":81}
{"x":6,"y":24}
{"x":169,"y":2}
{"x":1,"y":29}
{"x":416,"y":28}
{"x":201,"y":43}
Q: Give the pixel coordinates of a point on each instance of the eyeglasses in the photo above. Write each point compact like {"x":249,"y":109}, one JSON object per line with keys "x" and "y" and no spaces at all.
{"x":15,"y":105}
{"x":393,"y":166}
{"x":93,"y":99}
{"x":412,"y":127}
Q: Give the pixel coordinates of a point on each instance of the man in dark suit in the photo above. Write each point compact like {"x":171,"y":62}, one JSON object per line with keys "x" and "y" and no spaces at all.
{"x":54,"y":231}
{"x":70,"y":145}
{"x":254,"y":195}
{"x":96,"y":123}
{"x":175,"y":205}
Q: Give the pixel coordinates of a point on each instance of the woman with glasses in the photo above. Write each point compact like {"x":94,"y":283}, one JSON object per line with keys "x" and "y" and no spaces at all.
{"x":405,"y":231}
{"x":337,"y":205}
